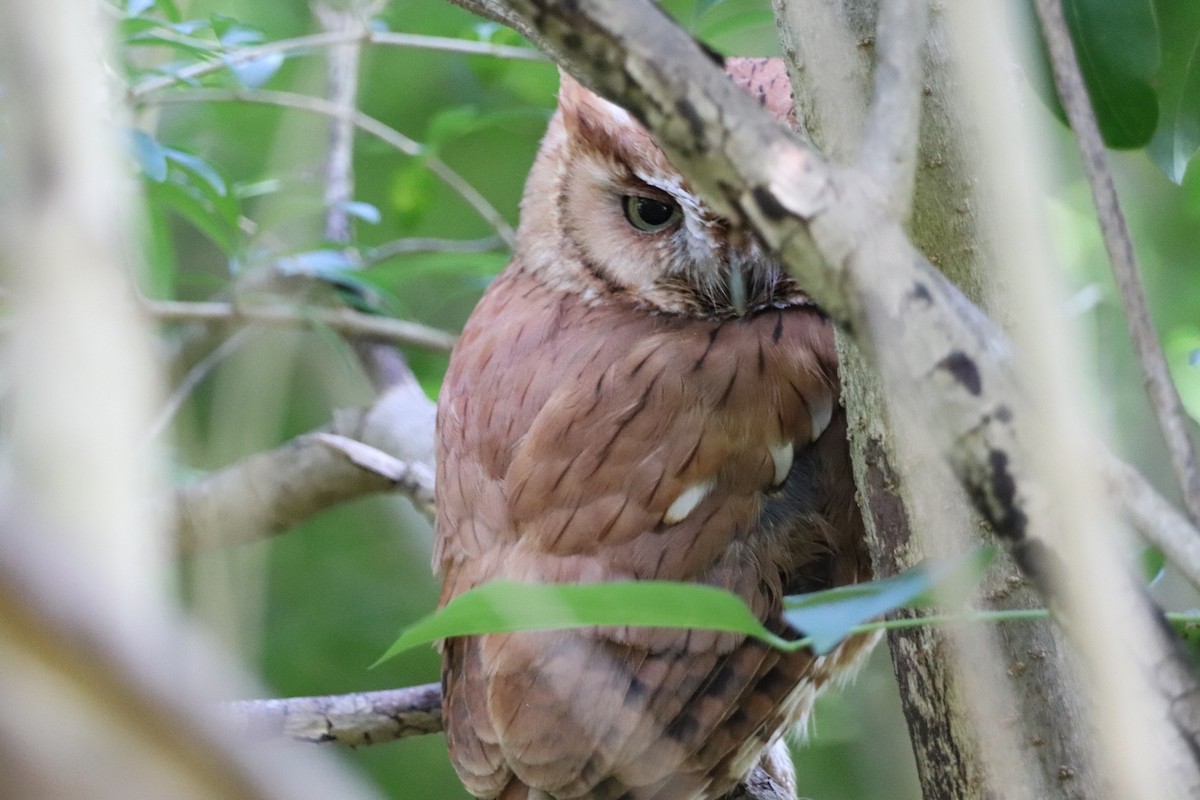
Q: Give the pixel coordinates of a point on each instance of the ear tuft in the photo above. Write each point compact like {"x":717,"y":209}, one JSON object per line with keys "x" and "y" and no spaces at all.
{"x":587,"y":117}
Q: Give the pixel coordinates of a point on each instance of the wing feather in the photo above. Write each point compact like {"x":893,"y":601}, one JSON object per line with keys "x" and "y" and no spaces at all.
{"x":567,"y":432}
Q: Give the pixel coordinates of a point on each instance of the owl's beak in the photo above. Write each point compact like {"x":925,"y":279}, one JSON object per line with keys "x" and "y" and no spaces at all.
{"x":736,"y":284}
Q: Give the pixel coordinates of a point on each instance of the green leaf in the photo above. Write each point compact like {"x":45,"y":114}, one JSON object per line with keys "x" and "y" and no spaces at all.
{"x":507,"y":606}
{"x":1117,"y":45}
{"x":1151,"y":562}
{"x":161,"y":262}
{"x":200,"y":168}
{"x":491,"y":72}
{"x":704,"y":6}
{"x":184,"y":200}
{"x":451,"y":123}
{"x":412,"y":193}
{"x":825,"y":618}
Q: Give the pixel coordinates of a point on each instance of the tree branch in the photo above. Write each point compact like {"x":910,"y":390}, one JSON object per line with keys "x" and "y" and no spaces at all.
{"x":387,"y":447}
{"x":345,"y":321}
{"x":1158,"y":522}
{"x":827,"y":67}
{"x":888,"y":152}
{"x":349,"y":719}
{"x":329,"y":39}
{"x":1164,"y":398}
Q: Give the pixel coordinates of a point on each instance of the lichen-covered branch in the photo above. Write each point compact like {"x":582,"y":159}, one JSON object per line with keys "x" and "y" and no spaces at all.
{"x":350,"y":719}
{"x":345,"y":321}
{"x":386,"y":447}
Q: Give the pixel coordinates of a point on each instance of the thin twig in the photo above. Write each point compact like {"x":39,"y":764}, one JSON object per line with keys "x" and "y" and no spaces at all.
{"x":343,"y":320}
{"x":342,"y":62}
{"x":365,"y":123}
{"x":414,"y":480}
{"x":399,"y":247}
{"x":194,"y":377}
{"x":1164,"y":398}
{"x":350,"y":719}
{"x":1158,"y":522}
{"x":342,"y":71}
{"x":888,"y":152}
{"x":327,"y":39}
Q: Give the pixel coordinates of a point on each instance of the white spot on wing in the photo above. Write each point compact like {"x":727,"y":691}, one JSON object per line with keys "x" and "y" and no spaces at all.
{"x":782,"y":454}
{"x":687,"y":501}
{"x":822,"y":411}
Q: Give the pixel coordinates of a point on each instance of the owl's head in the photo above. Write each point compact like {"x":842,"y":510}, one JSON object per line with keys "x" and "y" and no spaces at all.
{"x":606,"y":215}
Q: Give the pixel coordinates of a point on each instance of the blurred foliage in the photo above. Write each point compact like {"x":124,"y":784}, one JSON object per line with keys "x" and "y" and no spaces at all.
{"x":235,"y":210}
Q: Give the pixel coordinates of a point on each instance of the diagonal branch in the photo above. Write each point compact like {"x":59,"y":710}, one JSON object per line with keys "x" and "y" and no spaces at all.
{"x":365,"y":123}
{"x":1164,"y":398}
{"x":245,"y":55}
{"x":345,"y":321}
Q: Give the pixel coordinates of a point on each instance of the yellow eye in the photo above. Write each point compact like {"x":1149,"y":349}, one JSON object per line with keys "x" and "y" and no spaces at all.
{"x":650,"y":214}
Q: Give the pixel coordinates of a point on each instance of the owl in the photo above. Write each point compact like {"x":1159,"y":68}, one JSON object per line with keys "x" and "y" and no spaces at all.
{"x":643,"y":393}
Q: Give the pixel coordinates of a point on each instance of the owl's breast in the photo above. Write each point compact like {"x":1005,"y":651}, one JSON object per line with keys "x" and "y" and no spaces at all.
{"x":643,"y":443}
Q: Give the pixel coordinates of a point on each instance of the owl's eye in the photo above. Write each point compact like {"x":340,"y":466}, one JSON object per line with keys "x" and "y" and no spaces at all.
{"x":649,"y":214}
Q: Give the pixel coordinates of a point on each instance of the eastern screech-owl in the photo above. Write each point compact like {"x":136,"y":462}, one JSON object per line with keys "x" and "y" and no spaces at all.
{"x":640,"y":395}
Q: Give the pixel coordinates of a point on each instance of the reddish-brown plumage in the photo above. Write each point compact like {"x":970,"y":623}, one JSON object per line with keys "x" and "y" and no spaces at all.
{"x":592,"y":428}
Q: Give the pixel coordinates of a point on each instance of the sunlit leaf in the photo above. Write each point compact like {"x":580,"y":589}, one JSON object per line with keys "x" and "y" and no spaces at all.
{"x":137,"y":7}
{"x":255,"y":72}
{"x":828,"y":617}
{"x":150,"y":156}
{"x":315,"y":263}
{"x":359,"y":210}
